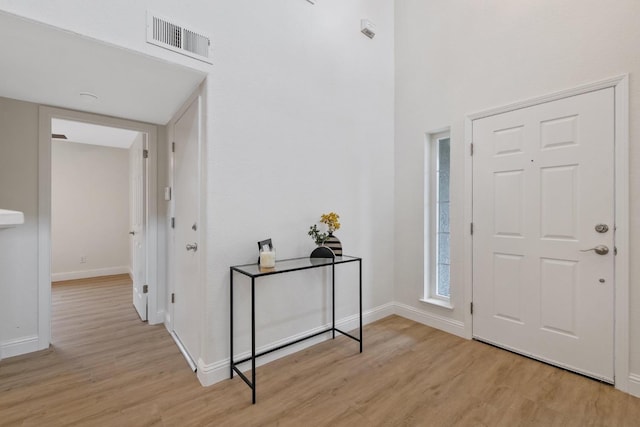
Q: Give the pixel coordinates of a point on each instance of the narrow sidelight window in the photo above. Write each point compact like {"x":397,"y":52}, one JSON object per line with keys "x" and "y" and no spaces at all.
{"x":437,"y":215}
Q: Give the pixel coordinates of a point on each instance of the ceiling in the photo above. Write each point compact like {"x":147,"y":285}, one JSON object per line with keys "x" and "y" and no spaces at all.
{"x":46,"y":65}
{"x":87,"y":133}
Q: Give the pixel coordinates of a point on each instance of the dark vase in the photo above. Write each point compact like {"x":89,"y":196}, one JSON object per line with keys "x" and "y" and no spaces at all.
{"x":334,"y":244}
{"x":322,"y":252}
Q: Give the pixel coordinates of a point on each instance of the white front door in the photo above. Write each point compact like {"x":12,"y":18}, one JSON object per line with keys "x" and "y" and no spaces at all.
{"x":137,"y":215}
{"x":187,"y":292}
{"x":543,"y":192}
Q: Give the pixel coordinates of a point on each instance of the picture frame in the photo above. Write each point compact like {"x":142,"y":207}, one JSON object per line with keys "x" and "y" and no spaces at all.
{"x":265,"y":244}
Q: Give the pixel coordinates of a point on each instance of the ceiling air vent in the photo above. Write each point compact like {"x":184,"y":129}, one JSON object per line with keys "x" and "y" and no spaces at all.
{"x":169,"y":35}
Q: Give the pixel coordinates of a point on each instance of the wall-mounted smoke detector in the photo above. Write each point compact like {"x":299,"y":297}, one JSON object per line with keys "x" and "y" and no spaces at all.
{"x":173,"y":36}
{"x":367,"y":28}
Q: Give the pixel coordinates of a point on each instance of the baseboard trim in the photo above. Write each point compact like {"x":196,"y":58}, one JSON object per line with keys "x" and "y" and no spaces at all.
{"x":209,"y":374}
{"x":86,"y":274}
{"x":19,"y":346}
{"x":634,"y":385}
{"x":454,"y":327}
{"x":184,"y":352}
{"x":158,"y":319}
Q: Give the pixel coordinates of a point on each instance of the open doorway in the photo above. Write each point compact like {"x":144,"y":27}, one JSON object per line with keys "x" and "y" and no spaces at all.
{"x":97,"y":205}
{"x":152,"y":304}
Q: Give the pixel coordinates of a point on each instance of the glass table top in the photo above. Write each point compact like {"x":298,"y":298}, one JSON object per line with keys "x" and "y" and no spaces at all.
{"x":293,"y":264}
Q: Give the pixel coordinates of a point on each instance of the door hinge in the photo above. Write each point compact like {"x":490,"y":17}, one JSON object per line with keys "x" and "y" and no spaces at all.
{"x":173,"y":147}
{"x":173,"y":298}
{"x":471,"y":307}
{"x":471,"y":148}
{"x":145,"y":289}
{"x":471,"y":228}
{"x":615,"y":250}
{"x":145,"y":154}
{"x":173,"y":222}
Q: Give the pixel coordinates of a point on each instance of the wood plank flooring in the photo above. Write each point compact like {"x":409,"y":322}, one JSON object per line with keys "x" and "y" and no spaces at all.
{"x":106,"y":368}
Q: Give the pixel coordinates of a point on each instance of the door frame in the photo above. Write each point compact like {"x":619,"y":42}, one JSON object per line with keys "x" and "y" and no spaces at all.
{"x":46,"y":114}
{"x":620,"y":84}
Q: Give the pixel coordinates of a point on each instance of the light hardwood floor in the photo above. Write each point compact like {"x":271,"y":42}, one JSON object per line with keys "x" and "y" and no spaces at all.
{"x":106,"y":368}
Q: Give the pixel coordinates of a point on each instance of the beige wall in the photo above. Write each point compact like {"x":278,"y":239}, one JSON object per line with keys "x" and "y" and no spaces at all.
{"x":89,"y":210}
{"x":19,"y":245}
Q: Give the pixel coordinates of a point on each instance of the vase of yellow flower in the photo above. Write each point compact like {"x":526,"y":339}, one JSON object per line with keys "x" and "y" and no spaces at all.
{"x":328,"y":244}
{"x":332,"y":220}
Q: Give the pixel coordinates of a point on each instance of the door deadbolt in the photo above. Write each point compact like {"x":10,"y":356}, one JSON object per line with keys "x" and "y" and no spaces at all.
{"x":602,"y":228}
{"x":192,"y":247}
{"x":600,"y":250}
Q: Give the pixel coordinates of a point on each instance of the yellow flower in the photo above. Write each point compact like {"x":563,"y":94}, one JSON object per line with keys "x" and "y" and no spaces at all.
{"x":332,"y":220}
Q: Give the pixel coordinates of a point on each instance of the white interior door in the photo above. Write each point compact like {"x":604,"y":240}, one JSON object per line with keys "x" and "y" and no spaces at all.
{"x":187,"y":300}
{"x":543,"y":180}
{"x":137,"y":198}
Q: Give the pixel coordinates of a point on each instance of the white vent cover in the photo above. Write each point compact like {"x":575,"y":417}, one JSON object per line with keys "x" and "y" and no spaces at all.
{"x":169,"y":35}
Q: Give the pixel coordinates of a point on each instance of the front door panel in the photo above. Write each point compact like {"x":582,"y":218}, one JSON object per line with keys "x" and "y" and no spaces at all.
{"x":543,"y":179}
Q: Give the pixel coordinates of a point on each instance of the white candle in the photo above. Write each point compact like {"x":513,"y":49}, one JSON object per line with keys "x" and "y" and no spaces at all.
{"x":267,"y":259}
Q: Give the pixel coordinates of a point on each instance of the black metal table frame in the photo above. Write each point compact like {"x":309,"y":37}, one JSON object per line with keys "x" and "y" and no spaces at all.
{"x":238,"y":268}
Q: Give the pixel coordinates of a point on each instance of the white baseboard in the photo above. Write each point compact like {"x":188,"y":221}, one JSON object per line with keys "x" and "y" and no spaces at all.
{"x":634,"y":385}
{"x":19,"y":346}
{"x":209,"y":374}
{"x":158,"y":319}
{"x":85,"y":274}
{"x":451,"y":326}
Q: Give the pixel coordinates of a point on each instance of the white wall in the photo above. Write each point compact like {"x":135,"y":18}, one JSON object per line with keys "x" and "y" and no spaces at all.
{"x":18,"y":246}
{"x":299,"y":110}
{"x":89,"y":210}
{"x":459,"y":57}
{"x":297,"y":98}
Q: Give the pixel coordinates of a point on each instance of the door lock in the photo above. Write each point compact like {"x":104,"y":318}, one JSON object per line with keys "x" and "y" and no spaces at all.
{"x":602,"y":228}
{"x":600,"y":250}
{"x":192,"y":247}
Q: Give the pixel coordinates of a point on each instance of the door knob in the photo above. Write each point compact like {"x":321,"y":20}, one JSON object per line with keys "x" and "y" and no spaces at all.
{"x":600,"y":250}
{"x":194,"y":247}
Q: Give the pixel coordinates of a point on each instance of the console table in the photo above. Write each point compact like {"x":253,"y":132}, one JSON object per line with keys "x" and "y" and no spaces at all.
{"x":254,"y":271}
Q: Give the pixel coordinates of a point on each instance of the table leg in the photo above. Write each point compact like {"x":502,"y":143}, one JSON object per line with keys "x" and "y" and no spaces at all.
{"x":360,"y":293}
{"x":333,"y":301}
{"x":230,"y":323}
{"x":253,"y":338}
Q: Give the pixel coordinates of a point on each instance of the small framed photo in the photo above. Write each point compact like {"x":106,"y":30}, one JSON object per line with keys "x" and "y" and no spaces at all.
{"x":265,"y":245}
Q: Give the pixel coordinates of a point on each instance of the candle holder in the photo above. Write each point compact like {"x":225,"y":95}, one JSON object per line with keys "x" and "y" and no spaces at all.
{"x":267,"y":254}
{"x":268,"y":258}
